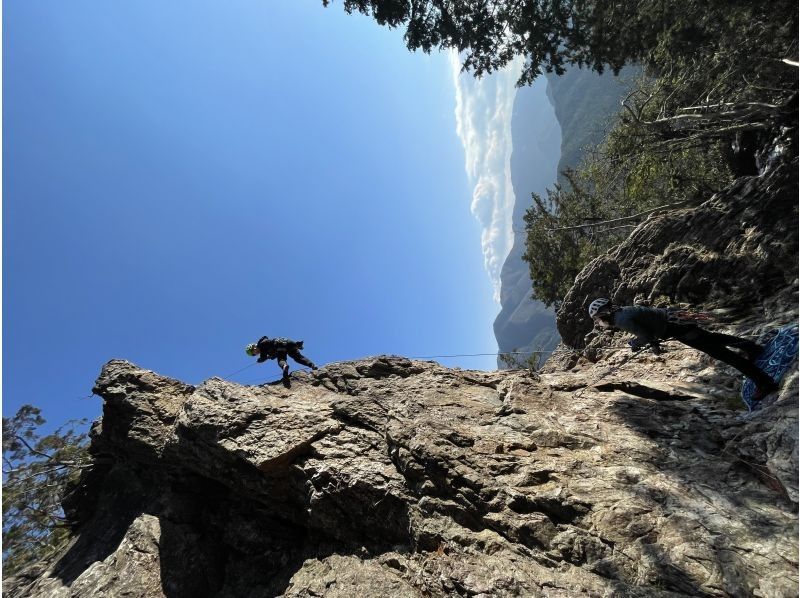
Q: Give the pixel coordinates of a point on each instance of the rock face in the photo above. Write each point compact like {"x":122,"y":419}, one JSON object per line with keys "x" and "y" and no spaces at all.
{"x":390,"y":477}
{"x":606,"y":475}
{"x":735,"y":252}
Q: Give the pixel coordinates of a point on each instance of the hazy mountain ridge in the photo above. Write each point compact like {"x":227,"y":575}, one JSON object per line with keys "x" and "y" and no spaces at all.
{"x":547,"y":139}
{"x":523,"y":324}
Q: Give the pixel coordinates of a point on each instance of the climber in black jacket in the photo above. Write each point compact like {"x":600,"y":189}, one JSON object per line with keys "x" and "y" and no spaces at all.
{"x":279,"y":348}
{"x":651,"y":325}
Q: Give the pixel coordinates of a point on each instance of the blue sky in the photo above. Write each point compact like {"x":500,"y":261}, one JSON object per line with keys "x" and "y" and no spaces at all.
{"x":182,"y":177}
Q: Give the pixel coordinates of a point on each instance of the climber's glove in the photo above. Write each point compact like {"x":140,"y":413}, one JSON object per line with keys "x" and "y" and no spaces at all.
{"x":635,"y":345}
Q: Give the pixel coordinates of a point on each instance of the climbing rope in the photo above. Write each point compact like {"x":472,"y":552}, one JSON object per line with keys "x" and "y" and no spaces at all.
{"x":492,"y":354}
{"x":475,"y":354}
{"x":241,"y":369}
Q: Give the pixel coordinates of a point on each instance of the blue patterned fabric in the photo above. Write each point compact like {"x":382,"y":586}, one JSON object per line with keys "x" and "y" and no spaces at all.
{"x":777,"y":357}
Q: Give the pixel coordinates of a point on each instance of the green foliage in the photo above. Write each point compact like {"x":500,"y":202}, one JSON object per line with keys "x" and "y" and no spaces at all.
{"x":491,"y":33}
{"x":532,"y":361}
{"x":37,"y":471}
{"x":555,"y":256}
{"x":712,"y":77}
{"x":614,"y":188}
{"x":553,"y":34}
{"x":726,"y":49}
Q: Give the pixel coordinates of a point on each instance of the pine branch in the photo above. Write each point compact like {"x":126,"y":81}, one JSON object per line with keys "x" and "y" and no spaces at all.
{"x":44,"y":472}
{"x":31,"y":449}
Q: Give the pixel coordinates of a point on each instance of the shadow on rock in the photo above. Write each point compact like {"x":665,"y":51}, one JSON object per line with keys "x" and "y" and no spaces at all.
{"x":103,"y":529}
{"x":714,"y":501}
{"x":229,"y":546}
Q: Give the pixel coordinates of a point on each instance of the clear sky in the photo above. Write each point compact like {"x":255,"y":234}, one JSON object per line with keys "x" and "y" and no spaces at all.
{"x":180,"y":178}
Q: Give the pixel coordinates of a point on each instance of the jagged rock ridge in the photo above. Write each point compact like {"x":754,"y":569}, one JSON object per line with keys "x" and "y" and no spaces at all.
{"x":391,"y":477}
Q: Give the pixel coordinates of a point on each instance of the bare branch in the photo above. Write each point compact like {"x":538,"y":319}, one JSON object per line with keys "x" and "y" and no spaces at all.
{"x":729,"y":104}
{"x":624,"y":219}
{"x":608,"y":230}
{"x":42,"y":472}
{"x":738,"y":114}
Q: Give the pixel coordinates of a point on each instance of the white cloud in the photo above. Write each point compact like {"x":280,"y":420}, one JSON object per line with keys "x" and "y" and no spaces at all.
{"x":483,"y":123}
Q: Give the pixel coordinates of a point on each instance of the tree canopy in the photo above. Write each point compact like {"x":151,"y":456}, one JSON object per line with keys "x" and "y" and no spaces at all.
{"x":599,"y":34}
{"x":37,"y":472}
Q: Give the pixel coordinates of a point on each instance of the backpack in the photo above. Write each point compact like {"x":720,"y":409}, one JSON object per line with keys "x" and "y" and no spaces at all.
{"x":286,"y":344}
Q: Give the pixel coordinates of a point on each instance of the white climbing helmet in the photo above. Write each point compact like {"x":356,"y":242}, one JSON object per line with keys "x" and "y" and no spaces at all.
{"x":598,"y":304}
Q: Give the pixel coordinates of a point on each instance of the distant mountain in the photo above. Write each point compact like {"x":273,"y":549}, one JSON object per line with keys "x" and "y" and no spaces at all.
{"x":586,"y":104}
{"x":524,"y":324}
{"x":552,"y":122}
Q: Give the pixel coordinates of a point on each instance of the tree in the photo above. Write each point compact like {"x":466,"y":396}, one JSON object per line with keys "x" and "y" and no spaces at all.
{"x":638,"y":171}
{"x":599,"y":34}
{"x":491,"y":33}
{"x":554,"y":257}
{"x":37,"y":473}
{"x":525,"y":360}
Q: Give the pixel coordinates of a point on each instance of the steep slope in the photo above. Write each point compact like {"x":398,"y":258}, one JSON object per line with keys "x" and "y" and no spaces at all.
{"x":390,"y":477}
{"x":736,"y":252}
{"x":586,"y":104}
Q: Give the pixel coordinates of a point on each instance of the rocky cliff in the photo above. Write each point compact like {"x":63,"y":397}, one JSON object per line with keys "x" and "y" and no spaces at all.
{"x":607,"y":474}
{"x":390,"y":477}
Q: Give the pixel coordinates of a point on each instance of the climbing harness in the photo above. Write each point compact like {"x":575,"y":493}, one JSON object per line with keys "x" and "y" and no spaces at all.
{"x":685,"y":316}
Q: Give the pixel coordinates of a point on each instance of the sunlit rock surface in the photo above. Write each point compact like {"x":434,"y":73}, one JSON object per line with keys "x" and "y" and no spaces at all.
{"x":391,"y":477}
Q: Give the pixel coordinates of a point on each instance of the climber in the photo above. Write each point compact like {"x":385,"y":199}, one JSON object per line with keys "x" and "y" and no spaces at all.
{"x":279,"y":348}
{"x":651,"y":325}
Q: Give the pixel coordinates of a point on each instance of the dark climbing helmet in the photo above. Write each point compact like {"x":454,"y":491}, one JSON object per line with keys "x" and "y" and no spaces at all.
{"x":251,"y":349}
{"x":597,"y":305}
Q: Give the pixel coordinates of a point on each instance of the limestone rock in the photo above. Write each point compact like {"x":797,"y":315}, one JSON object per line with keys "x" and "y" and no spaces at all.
{"x":391,"y":477}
